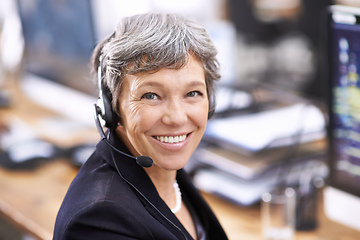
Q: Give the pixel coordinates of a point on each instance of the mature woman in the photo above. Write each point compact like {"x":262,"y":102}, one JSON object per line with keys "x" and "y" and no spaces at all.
{"x":156,"y":75}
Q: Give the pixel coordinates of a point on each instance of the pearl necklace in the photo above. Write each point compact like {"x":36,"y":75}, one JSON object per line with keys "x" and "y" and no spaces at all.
{"x":178,"y":198}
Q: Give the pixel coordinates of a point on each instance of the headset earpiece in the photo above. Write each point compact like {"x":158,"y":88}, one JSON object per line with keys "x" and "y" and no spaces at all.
{"x":108,"y":116}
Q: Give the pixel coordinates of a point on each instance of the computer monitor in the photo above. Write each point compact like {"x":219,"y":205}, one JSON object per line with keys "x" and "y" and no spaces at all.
{"x":342,"y":196}
{"x":59,"y":39}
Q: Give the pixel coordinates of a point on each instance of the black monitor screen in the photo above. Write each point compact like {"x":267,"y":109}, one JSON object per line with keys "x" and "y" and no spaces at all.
{"x":344,"y":108}
{"x":59,"y":38}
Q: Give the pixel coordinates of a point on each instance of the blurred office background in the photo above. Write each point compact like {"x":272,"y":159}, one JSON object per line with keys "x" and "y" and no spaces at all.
{"x":273,"y":42}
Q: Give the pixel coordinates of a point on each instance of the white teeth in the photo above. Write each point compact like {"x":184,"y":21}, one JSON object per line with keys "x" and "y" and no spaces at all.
{"x":171,"y":139}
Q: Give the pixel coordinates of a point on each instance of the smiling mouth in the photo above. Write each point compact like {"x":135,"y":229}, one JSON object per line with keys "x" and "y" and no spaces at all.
{"x":171,"y":139}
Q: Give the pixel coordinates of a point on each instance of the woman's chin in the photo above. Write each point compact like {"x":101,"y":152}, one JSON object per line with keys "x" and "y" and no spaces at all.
{"x":172,"y":165}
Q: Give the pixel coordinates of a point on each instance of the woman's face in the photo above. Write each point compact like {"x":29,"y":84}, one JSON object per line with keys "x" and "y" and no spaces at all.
{"x":164,"y":113}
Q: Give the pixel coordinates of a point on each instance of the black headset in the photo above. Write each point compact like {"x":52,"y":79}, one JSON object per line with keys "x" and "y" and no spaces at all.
{"x":104,"y":103}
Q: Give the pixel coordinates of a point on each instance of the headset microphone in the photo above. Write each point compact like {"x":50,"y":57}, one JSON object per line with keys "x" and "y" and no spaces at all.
{"x":143,"y":161}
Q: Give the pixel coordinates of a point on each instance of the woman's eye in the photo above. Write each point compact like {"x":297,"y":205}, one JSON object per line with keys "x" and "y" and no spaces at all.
{"x":194,"y":94}
{"x":150,"y":96}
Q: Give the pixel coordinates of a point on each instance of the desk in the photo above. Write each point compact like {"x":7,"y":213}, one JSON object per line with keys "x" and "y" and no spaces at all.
{"x":244,"y":223}
{"x":31,"y":199}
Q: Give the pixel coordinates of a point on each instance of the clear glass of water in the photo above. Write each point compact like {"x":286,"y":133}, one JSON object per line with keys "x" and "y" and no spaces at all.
{"x":278,"y":214}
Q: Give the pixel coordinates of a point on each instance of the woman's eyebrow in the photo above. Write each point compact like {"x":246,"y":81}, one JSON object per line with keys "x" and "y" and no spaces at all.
{"x":149,"y":84}
{"x":197,"y":83}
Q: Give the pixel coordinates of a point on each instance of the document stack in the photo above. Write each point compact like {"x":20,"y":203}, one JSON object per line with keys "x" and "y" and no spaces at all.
{"x":243,"y":156}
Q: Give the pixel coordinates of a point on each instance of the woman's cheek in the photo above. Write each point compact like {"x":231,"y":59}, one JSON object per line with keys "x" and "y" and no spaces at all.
{"x":138,"y":114}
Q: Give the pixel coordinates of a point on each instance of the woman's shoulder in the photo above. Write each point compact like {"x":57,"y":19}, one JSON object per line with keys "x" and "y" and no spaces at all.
{"x":95,"y":182}
{"x":103,"y":219}
{"x":97,"y":196}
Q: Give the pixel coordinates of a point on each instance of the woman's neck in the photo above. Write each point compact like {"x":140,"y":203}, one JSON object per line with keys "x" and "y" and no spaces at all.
{"x":164,"y":183}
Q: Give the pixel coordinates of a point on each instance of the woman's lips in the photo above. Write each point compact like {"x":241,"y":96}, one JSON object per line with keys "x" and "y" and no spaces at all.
{"x":171,"y":139}
{"x":172,"y":143}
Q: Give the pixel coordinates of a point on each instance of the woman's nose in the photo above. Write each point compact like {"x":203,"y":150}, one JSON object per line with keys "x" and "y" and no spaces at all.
{"x":175,"y":114}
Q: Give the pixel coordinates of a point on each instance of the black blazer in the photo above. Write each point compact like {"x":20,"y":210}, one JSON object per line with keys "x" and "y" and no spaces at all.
{"x":103,"y":204}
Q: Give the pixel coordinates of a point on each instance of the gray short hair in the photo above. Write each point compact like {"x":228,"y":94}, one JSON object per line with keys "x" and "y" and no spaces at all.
{"x":152,"y":41}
